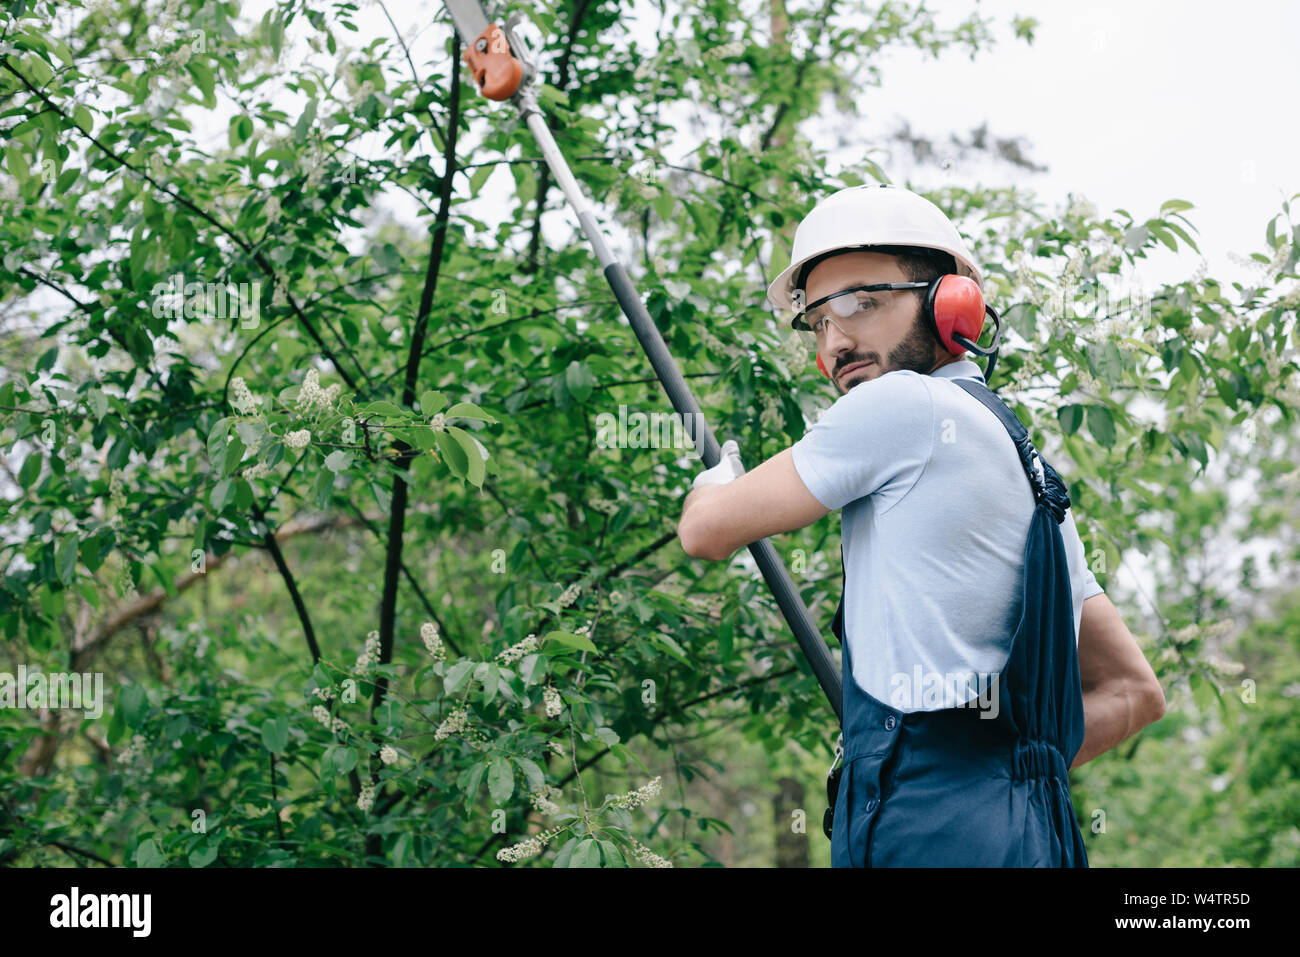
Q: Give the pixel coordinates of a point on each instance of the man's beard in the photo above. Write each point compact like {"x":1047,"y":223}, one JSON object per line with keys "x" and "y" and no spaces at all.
{"x":915,"y":353}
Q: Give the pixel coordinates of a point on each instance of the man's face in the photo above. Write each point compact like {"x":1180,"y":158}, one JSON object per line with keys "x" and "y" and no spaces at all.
{"x":890,"y":337}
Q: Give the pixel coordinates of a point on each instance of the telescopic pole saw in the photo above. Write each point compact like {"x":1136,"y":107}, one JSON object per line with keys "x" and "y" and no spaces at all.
{"x":498,"y":60}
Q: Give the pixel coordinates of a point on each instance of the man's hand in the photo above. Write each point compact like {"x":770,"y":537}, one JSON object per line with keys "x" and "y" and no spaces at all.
{"x":728,"y":469}
{"x":727,"y":512}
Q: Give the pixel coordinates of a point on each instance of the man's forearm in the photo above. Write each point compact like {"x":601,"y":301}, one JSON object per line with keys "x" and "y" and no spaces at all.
{"x":1110,"y":714}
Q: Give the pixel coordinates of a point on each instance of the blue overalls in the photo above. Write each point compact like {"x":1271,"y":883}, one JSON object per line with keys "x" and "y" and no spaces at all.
{"x":953,"y":788}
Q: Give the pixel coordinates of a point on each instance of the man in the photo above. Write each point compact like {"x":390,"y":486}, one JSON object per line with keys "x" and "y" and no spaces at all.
{"x":981,"y":657}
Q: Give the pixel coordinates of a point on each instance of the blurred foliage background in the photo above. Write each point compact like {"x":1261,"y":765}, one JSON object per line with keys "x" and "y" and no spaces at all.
{"x":363,"y":583}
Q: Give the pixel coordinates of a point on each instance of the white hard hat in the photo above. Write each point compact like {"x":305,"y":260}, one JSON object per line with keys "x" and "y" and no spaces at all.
{"x":876,"y":214}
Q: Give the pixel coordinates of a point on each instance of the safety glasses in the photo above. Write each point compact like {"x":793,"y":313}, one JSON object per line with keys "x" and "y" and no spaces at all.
{"x":848,"y":306}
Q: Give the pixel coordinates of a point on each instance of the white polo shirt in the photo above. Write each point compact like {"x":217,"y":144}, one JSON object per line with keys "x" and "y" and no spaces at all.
{"x":935,"y":512}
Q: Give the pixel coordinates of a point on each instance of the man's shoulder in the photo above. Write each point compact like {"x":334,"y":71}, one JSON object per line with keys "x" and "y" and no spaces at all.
{"x":895,"y":385}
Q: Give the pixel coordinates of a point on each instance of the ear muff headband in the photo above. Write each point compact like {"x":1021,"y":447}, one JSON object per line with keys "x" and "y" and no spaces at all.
{"x":955,"y":309}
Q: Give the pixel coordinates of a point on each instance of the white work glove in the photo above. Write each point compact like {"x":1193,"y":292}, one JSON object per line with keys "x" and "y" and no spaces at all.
{"x":728,"y":469}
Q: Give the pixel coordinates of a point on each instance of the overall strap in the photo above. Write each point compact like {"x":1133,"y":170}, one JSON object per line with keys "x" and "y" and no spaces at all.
{"x":1048,"y":488}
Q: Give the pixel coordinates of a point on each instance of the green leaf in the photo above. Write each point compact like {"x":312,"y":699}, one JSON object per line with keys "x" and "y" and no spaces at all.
{"x":467,"y":410}
{"x":472,"y":781}
{"x":66,"y":558}
{"x":579,"y":380}
{"x":611,"y":854}
{"x":501,"y":780}
{"x":234,"y":453}
{"x":1101,"y":424}
{"x":1071,"y":417}
{"x":99,"y":404}
{"x":338,"y":460}
{"x":453,"y":454}
{"x":580,"y":642}
{"x":31,"y":469}
{"x":66,"y":179}
{"x":608,"y":735}
{"x":457,"y":675}
{"x":382,"y":408}
{"x":275,"y":734}
{"x":241,"y":128}
{"x":479,"y":177}
{"x":205,"y":853}
{"x":475,"y":467}
{"x":222,"y":494}
{"x":586,"y":854}
{"x":345,"y":759}
{"x":532,"y":773}
{"x":217,"y":442}
{"x":148,"y":854}
{"x":431,"y":403}
{"x":202,"y":74}
{"x":131,"y":702}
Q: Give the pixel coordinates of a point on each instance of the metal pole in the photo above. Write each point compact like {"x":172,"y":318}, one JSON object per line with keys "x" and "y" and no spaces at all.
{"x":679,"y":394}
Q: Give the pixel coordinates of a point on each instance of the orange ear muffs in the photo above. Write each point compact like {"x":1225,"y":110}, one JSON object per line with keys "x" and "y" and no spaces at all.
{"x":955,"y":309}
{"x":822,"y":366}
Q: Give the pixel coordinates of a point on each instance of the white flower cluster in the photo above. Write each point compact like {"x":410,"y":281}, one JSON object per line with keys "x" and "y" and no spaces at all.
{"x":521,"y":851}
{"x":272,"y":209}
{"x":583,"y":630}
{"x":241,"y":397}
{"x":553,"y":702}
{"x":726,"y":50}
{"x":1279,"y":258}
{"x":429,"y":634}
{"x":371,"y":655}
{"x":544,"y":800}
{"x":638,"y":797}
{"x":604,"y":505}
{"x":616,"y":597}
{"x":365,"y":90}
{"x":648,"y":857}
{"x":388,"y":754}
{"x":438,"y":421}
{"x":1082,"y":207}
{"x":556,"y":748}
{"x":325,"y":694}
{"x":452,"y":724}
{"x":134,"y":751}
{"x":312,"y":397}
{"x":297,"y":440}
{"x":367,"y":798}
{"x":528,"y":848}
{"x":1227,"y":667}
{"x":322,"y":714}
{"x":517,"y":651}
{"x":181,"y":55}
{"x":257,"y":471}
{"x":569,"y":596}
